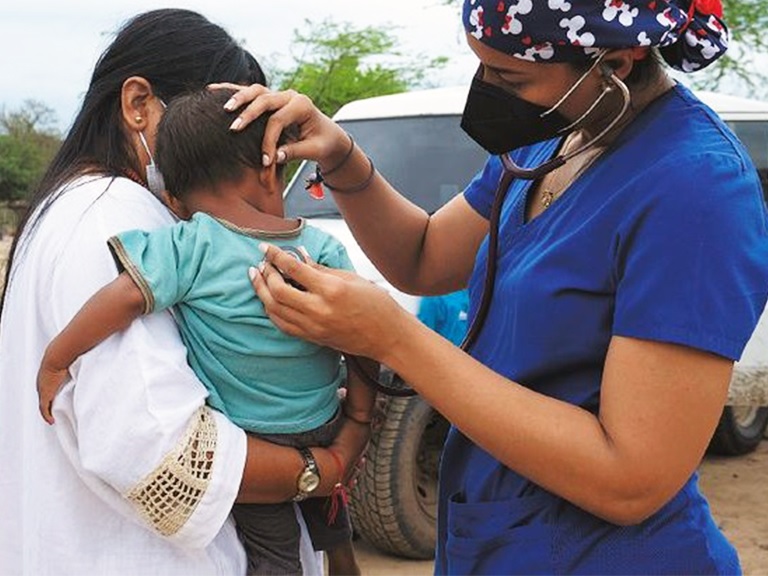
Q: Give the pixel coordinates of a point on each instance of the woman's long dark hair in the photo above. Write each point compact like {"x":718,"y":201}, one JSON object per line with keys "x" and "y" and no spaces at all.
{"x":176,"y":51}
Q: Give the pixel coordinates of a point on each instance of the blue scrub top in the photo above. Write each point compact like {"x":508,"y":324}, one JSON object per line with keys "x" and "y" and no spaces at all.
{"x":663,"y":238}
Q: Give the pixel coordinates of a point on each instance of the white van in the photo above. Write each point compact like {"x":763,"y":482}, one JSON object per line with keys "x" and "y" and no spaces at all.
{"x":417,"y":144}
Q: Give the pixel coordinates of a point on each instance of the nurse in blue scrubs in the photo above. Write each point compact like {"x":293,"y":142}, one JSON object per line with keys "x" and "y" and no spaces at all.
{"x":631,"y":268}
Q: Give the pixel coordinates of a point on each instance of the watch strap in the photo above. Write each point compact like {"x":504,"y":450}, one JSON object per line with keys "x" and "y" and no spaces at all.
{"x":310,"y":469}
{"x":309,"y":460}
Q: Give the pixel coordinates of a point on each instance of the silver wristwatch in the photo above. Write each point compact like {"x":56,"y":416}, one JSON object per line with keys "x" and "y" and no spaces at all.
{"x":309,"y":479}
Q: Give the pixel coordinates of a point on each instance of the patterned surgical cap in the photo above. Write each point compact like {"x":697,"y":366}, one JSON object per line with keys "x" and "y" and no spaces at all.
{"x":689,"y":33}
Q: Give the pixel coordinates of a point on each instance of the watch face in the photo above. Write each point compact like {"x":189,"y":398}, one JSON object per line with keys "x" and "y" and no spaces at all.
{"x":308,"y":481}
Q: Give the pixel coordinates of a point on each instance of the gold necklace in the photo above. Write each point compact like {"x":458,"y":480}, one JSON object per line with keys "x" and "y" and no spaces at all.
{"x":552,"y":192}
{"x":547,"y":197}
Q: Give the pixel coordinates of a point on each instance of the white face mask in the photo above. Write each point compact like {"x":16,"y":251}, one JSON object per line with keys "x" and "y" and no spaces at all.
{"x":155,"y":181}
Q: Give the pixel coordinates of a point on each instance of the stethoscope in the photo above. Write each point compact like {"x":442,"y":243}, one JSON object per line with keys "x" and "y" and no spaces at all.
{"x":510,"y":171}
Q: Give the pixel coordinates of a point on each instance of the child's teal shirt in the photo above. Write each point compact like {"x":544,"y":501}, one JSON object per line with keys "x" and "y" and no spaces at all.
{"x":264,"y":380}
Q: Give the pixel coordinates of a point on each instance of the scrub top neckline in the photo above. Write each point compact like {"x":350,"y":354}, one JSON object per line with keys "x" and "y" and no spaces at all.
{"x":521,"y":203}
{"x":557,"y":144}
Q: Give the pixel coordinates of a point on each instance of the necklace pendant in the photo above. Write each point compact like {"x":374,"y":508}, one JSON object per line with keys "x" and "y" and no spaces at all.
{"x":546,"y":198}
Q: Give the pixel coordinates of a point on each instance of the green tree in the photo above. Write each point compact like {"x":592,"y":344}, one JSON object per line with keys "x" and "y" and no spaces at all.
{"x":28,"y":141}
{"x":338,"y":64}
{"x":747,"y":23}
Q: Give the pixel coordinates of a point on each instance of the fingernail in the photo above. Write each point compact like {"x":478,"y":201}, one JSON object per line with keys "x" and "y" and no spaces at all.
{"x":280,"y":156}
{"x":263,"y":247}
{"x":252,"y":272}
{"x":236,"y":124}
{"x":265,"y":160}
{"x":262,"y":266}
{"x":231,"y":104}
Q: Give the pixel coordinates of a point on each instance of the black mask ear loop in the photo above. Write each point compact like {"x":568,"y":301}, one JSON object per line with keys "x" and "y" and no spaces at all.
{"x":556,"y":162}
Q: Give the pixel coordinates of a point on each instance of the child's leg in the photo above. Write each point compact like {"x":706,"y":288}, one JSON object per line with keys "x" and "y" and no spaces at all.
{"x":341,"y":560}
{"x":334,"y":538}
{"x":270,"y":535}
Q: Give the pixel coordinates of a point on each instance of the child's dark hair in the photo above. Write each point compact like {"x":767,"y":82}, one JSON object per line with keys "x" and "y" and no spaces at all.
{"x":177,"y":51}
{"x":196,"y":148}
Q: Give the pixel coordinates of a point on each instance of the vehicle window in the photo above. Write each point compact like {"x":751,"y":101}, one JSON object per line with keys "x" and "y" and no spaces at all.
{"x":754,"y":135}
{"x":428,"y":159}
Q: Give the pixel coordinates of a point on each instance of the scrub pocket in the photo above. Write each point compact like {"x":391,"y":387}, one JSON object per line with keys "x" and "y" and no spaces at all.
{"x":490,"y":537}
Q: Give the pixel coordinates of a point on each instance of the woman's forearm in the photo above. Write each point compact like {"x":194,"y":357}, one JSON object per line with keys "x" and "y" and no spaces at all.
{"x":512,"y":423}
{"x":416,"y":252}
{"x":271,"y":471}
{"x":619,"y":465}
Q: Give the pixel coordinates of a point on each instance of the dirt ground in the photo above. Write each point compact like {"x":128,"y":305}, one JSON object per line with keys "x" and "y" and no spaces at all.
{"x":737,"y":490}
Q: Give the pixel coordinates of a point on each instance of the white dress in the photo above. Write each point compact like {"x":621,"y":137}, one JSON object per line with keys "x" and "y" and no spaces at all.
{"x":137,"y":476}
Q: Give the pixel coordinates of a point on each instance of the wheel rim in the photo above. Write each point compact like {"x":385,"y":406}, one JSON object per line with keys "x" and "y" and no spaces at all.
{"x":744,"y":416}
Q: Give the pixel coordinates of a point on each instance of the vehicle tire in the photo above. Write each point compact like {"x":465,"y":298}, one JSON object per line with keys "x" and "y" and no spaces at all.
{"x":394,"y":503}
{"x":740,"y":430}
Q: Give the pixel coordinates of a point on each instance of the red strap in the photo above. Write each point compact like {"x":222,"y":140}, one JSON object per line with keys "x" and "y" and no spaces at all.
{"x":339,"y":495}
{"x":339,"y":500}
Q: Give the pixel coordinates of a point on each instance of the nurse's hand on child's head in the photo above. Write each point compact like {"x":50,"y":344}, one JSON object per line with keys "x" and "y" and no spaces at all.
{"x":318,"y":137}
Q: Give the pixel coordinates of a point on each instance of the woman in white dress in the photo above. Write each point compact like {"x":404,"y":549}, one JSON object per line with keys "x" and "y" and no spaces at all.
{"x":137,"y":476}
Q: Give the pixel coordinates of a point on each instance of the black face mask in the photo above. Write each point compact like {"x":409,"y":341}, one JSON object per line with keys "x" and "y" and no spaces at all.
{"x":500,"y":121}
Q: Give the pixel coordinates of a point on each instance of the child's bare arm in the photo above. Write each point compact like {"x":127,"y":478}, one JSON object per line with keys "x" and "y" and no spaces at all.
{"x":360,"y":400}
{"x":110,"y":310}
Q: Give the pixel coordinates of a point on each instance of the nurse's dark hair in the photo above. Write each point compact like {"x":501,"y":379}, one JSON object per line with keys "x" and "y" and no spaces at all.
{"x":195,"y":147}
{"x":176,"y":51}
{"x":646,"y":71}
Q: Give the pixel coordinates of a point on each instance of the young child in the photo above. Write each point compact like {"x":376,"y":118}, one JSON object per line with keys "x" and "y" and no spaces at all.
{"x":271,"y":384}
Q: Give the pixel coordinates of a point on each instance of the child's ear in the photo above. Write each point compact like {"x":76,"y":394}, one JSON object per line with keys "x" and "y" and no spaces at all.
{"x":175,"y":205}
{"x":271,"y":179}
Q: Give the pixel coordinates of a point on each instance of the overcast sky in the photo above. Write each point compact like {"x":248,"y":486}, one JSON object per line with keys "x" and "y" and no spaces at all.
{"x":48,"y":47}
